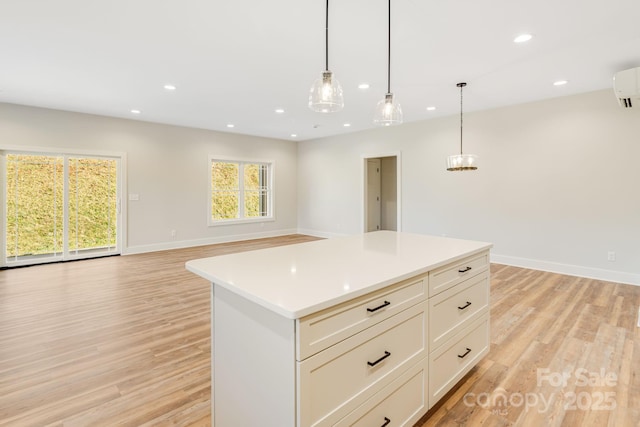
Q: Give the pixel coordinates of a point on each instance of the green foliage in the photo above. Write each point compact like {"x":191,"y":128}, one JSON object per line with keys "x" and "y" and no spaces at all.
{"x":92,"y":203}
{"x":225,"y":184}
{"x":225,"y":195}
{"x":35,"y":186}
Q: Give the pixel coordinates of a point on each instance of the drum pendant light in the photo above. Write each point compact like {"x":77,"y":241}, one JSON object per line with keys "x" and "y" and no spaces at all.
{"x":325,"y":95}
{"x":388,"y":112}
{"x":462,"y":162}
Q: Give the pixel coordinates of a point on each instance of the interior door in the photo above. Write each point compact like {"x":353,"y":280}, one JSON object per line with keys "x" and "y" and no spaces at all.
{"x":373,"y":194}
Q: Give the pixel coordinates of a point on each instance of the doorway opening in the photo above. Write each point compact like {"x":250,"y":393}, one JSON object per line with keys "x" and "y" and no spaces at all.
{"x":382,"y":207}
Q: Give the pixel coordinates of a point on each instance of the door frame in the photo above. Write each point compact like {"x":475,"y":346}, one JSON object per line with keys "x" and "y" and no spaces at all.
{"x":363,"y":186}
{"x":120,"y":156}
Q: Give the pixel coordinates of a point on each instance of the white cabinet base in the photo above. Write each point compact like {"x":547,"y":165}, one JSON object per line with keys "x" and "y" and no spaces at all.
{"x":253,"y":352}
{"x":337,"y":332}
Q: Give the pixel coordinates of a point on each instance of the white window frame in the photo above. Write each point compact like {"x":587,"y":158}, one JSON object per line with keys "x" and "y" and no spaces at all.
{"x":271,"y":165}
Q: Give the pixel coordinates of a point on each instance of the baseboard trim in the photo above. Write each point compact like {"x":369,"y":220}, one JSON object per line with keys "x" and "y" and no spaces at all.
{"x":317,"y":233}
{"x":203,"y":242}
{"x":570,"y":270}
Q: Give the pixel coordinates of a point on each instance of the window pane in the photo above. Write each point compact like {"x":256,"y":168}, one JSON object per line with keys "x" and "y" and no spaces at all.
{"x":251,"y":176}
{"x":225,"y":175}
{"x":225,"y":183}
{"x":92,"y":204}
{"x":255,"y":176}
{"x":255,"y":204}
{"x":224,"y":205}
{"x":34,"y":218}
{"x":252,"y":204}
{"x":255,"y":186}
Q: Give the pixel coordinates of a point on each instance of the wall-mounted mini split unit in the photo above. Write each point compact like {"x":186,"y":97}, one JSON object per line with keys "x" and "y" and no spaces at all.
{"x":626,"y":85}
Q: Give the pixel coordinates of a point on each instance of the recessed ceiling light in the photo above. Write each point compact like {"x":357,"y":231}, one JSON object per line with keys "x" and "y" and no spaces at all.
{"x":523,"y":38}
{"x":431,"y":108}
{"x":136,"y":111}
{"x":231,"y":125}
{"x":347,"y":125}
{"x":170,"y":87}
{"x":279,"y":110}
{"x":363,"y":86}
{"x":560,"y":83}
{"x":293,"y":135}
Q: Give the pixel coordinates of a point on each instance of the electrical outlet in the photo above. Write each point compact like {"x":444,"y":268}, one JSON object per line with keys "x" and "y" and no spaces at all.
{"x":611,"y":256}
{"x":174,"y":234}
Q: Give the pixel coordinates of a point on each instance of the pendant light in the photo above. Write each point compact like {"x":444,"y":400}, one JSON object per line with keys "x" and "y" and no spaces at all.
{"x":325,"y":95}
{"x":462,"y":162}
{"x":388,"y":112}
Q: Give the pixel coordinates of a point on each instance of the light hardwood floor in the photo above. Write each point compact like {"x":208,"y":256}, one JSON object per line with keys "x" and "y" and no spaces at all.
{"x":125,"y":341}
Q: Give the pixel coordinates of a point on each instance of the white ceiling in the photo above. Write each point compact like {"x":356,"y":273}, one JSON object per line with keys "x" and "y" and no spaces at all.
{"x":236,"y":61}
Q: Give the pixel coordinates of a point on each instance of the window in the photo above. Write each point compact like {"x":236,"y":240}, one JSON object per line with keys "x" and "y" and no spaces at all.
{"x":240,"y":191}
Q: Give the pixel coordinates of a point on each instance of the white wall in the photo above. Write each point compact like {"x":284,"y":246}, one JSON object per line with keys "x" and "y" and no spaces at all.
{"x":557,"y":188}
{"x":167,"y":166}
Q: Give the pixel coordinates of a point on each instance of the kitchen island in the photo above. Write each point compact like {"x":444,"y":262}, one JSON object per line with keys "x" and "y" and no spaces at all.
{"x":360,"y":330}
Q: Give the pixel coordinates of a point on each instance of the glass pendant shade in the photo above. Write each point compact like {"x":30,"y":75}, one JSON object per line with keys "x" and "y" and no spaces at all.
{"x":388,"y":112}
{"x":462,"y":162}
{"x":325,"y":95}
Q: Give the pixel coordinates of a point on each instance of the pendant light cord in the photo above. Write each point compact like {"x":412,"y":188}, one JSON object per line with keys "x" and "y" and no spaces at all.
{"x":461,"y":86}
{"x":389,"y":52}
{"x":326,"y":38}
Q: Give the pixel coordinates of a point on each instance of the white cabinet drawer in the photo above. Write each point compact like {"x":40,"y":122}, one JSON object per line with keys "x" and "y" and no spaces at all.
{"x":450,"y":309}
{"x":401,"y":403}
{"x":449,"y":363}
{"x":337,"y":380}
{"x":321,"y":330}
{"x":449,"y":275}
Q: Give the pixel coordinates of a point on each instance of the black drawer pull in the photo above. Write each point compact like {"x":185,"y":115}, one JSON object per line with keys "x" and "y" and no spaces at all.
{"x":386,"y":422}
{"x":464,"y":270}
{"x":465,"y":353}
{"x":386,"y":354}
{"x":464,"y":306}
{"x":371,"y":310}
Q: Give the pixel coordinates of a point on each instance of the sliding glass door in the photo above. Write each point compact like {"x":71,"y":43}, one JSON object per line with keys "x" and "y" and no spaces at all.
{"x":59,"y":207}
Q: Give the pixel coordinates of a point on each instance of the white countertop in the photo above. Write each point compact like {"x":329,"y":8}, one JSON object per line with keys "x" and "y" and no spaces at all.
{"x":297,"y":280}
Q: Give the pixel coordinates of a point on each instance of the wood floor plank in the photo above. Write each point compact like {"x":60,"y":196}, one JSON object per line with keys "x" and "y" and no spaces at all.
{"x":552,"y":332}
{"x":126,"y":341}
